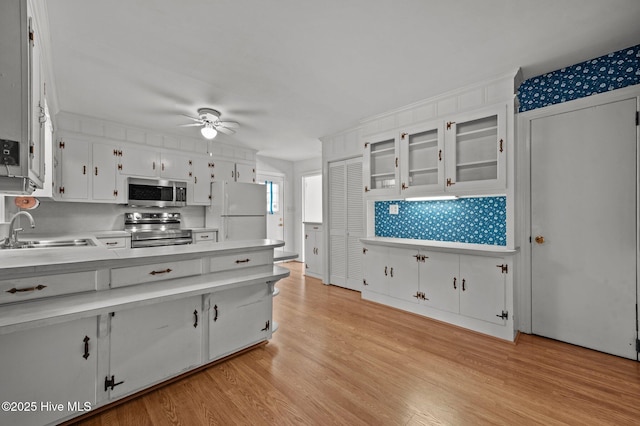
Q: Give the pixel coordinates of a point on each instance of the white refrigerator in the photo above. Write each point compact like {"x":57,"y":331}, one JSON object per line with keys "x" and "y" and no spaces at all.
{"x":238,"y":210}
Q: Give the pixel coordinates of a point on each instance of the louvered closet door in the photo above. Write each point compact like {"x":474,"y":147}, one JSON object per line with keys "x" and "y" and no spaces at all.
{"x":346,"y":221}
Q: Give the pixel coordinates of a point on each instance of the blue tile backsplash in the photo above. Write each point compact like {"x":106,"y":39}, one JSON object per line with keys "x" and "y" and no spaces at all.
{"x":476,"y":220}
{"x":613,"y":71}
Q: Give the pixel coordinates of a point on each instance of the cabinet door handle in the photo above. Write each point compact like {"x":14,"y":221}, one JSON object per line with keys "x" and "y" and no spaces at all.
{"x":84,"y":170}
{"x":455,"y":286}
{"x":463,"y":286}
{"x":28,"y":289}
{"x":385,"y":272}
{"x":439,"y":155}
{"x":396,"y":162}
{"x":391,"y":271}
{"x":195,"y":315}
{"x":86,"y":347}
{"x":96,"y":171}
{"x":166,"y":271}
{"x":501,"y":142}
{"x":215,"y":310}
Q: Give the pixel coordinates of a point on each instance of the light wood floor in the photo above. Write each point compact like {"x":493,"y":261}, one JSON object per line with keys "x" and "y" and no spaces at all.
{"x":339,"y":360}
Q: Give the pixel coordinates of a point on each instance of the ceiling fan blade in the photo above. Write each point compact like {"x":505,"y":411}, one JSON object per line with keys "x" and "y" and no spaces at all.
{"x":199,"y":120}
{"x":225,"y":130}
{"x":228,"y":124}
{"x":189,"y":125}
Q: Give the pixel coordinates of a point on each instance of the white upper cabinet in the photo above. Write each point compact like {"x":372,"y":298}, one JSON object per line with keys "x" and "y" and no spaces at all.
{"x":138,"y":161}
{"x":381,"y":164}
{"x":476,"y":150}
{"x":175,"y":166}
{"x":464,"y":154}
{"x":422,"y":158}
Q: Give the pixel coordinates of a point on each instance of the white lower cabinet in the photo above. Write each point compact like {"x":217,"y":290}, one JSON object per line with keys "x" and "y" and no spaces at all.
{"x":313,"y":250}
{"x":457,"y":288}
{"x":48,"y":373}
{"x":239,"y":318}
{"x":152,"y":343}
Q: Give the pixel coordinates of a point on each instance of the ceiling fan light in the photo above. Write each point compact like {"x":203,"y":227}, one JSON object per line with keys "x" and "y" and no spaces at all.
{"x":208,"y":131}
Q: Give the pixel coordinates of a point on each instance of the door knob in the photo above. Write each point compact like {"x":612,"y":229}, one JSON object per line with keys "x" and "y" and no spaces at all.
{"x":539,"y":239}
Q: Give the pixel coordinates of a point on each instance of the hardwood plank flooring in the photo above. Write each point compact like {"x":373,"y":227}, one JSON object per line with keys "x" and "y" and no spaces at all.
{"x":337,"y":359}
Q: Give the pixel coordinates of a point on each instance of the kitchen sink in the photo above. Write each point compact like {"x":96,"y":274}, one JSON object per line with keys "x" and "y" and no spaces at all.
{"x":50,"y":244}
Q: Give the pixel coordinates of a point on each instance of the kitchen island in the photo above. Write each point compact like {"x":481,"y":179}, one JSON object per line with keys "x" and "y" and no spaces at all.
{"x":83,"y":327}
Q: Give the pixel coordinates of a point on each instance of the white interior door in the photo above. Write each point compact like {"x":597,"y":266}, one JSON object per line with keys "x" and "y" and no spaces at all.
{"x":274,"y":205}
{"x":346,"y":221}
{"x":583,"y":226}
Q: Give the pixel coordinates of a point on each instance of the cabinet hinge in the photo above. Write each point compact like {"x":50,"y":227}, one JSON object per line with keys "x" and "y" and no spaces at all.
{"x":61,"y":190}
{"x":115,"y":192}
{"x":449,"y":182}
{"x":61,"y":144}
{"x":504,"y":315}
{"x":504,"y":268}
{"x":111,"y":383}
{"x":404,"y":185}
{"x":420,"y":295}
{"x":403,"y":135}
{"x":364,"y":282}
{"x":366,"y":189}
{"x":366,"y":144}
{"x":364,"y":250}
{"x":266,"y":326}
{"x":449,"y":123}
{"x":119,"y":166}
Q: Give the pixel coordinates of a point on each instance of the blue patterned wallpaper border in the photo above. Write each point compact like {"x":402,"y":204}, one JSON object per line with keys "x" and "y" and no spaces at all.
{"x":476,"y":220}
{"x":613,"y":71}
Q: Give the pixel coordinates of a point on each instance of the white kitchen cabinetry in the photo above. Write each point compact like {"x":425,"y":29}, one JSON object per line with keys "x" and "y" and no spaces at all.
{"x":87,"y":171}
{"x":50,"y":365}
{"x":476,"y":147}
{"x":202,"y":236}
{"x":467,"y":290}
{"x":230,"y":171}
{"x":381,"y":164}
{"x":138,"y":161}
{"x":22,"y":104}
{"x":23,"y":289}
{"x":245,"y":173}
{"x":133,"y":275}
{"x":72,"y":170}
{"x":462,"y":154}
{"x":149,"y":344}
{"x":104,"y":177}
{"x":313,"y":250}
{"x":175,"y":166}
{"x":389,"y":271}
{"x":239,"y":318}
{"x":203,"y":173}
{"x":422,"y":159}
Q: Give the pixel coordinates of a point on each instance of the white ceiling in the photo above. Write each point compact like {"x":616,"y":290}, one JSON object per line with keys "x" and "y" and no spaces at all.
{"x":291,"y":71}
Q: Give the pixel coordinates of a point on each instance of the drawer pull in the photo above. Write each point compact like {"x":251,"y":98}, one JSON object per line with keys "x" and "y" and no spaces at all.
{"x":25,"y":290}
{"x":111,"y":243}
{"x":166,"y":271}
{"x":243,"y":261}
{"x":86,"y":347}
{"x":215,"y":310}
{"x":204,"y":236}
{"x":195,"y":314}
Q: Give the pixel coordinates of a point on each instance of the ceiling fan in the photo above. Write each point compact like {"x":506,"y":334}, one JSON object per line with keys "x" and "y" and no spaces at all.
{"x":209,"y":119}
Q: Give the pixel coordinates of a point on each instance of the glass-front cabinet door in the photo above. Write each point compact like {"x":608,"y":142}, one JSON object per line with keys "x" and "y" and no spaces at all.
{"x":422,"y":159}
{"x":381,"y":164}
{"x":476,"y":150}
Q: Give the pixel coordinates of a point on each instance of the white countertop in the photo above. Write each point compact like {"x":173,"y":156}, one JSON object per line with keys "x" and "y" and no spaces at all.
{"x":444,"y":246}
{"x":23,"y":261}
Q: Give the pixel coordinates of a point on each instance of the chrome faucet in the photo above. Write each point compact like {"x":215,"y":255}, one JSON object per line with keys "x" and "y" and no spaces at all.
{"x":12,"y":239}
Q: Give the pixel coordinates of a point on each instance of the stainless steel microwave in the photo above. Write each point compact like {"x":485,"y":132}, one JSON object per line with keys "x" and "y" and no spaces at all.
{"x":156,"y":193}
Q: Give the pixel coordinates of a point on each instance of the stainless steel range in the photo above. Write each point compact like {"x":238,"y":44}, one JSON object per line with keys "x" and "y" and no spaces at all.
{"x":156,"y":229}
